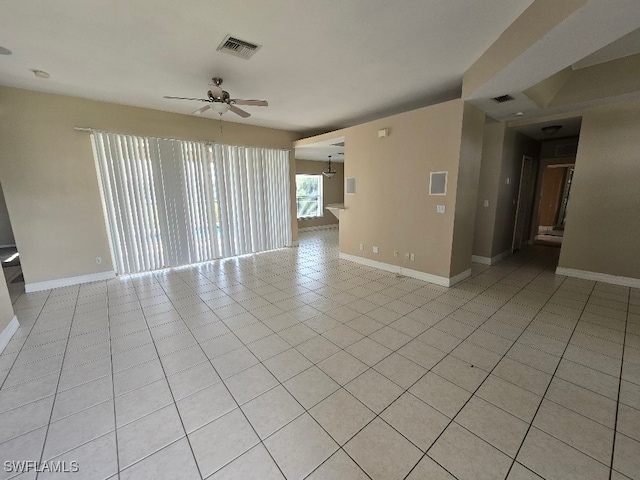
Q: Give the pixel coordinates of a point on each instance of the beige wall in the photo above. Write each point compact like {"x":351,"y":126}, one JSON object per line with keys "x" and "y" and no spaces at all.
{"x":392,"y":208}
{"x":333,"y":190}
{"x":467,"y":190}
{"x":502,"y":153}
{"x":6,"y":309}
{"x":6,"y":233}
{"x":49,"y":178}
{"x":603,"y":218}
{"x":489,"y":180}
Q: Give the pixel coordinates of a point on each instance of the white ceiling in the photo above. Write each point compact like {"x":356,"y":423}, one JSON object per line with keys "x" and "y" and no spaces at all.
{"x":323,"y":64}
{"x":570,"y":128}
{"x":320,"y":150}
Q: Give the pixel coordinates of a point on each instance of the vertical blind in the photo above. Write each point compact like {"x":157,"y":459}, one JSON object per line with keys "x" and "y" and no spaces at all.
{"x":172,"y":202}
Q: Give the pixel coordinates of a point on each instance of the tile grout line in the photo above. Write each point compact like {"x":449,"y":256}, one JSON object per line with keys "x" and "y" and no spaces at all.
{"x":53,"y":404}
{"x":113,"y":387}
{"x":615,"y":424}
{"x":545,"y":393}
{"x":452,"y":420}
{"x":175,"y":404}
{"x":428,"y":370}
{"x":2,"y":384}
{"x":230,"y":394}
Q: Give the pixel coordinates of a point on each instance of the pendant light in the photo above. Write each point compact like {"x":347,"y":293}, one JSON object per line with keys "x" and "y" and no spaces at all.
{"x":329,"y":171}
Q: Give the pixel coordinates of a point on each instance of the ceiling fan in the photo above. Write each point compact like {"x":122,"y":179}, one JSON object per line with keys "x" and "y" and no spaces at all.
{"x":220,"y":102}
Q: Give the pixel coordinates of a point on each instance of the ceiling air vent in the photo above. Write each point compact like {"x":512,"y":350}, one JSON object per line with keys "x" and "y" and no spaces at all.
{"x":237,"y":47}
{"x":567,"y":150}
{"x":339,"y":144}
{"x":503,"y":98}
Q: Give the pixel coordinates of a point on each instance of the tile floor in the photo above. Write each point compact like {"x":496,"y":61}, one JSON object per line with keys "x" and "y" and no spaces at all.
{"x":294,"y":364}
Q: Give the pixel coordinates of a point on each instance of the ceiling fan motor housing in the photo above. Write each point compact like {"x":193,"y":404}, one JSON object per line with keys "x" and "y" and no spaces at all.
{"x":225,"y":97}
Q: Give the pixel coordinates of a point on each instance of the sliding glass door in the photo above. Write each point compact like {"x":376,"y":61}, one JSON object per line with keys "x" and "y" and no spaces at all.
{"x":171,"y":202}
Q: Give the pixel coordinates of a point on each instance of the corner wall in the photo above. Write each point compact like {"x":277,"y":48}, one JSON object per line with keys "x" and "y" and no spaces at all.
{"x":6,"y":232}
{"x":392,"y":208}
{"x":603,"y":218}
{"x":6,"y":316}
{"x":333,"y":191}
{"x":502,"y":153}
{"x":50,"y":181}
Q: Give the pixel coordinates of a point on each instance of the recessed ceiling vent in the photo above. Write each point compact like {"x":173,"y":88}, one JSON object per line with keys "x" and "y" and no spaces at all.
{"x":339,"y":144}
{"x":237,"y":47}
{"x":503,"y":98}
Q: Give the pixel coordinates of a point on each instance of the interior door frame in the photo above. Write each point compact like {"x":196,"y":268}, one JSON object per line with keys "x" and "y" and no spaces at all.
{"x":523,"y":205}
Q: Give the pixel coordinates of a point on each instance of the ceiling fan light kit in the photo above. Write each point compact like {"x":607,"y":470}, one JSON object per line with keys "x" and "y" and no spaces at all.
{"x":221,"y":102}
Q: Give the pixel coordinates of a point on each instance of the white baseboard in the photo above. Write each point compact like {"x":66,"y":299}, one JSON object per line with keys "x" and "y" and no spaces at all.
{"x":8,"y":246}
{"x":66,"y":282}
{"x":490,"y":260}
{"x":427,"y":277}
{"x":319,"y":227}
{"x":599,"y":277}
{"x":8,"y":332}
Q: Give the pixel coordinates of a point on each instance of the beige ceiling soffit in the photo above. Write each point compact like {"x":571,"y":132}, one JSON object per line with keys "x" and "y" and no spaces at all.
{"x":590,"y":28}
{"x":536,"y":22}
{"x":545,"y":118}
{"x":605,"y":80}
{"x":542,"y":93}
{"x":319,"y":138}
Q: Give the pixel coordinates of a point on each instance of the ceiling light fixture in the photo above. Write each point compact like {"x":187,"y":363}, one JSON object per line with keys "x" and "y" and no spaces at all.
{"x":220,"y":107}
{"x":329,"y":172}
{"x":40,"y":74}
{"x":518,"y":114}
{"x":5,"y":51}
{"x":550,"y":130}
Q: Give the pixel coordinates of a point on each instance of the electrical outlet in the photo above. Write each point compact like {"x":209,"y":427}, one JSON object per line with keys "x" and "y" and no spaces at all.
{"x":406,"y":256}
{"x":413,"y":257}
{"x":439,"y":208}
{"x":98,"y":260}
{"x":362,"y":246}
{"x":375,"y":249}
{"x":486,"y":203}
{"x":508,"y":181}
{"x":395,"y":254}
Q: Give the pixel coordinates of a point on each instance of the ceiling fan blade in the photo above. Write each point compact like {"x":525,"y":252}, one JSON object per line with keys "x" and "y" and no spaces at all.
{"x":255,"y":103}
{"x":187,"y":98}
{"x":238,"y":111}
{"x":201,"y":110}
{"x":216,"y":90}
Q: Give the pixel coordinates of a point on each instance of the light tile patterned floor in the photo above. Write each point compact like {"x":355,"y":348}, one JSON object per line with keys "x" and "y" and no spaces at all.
{"x":295,"y":364}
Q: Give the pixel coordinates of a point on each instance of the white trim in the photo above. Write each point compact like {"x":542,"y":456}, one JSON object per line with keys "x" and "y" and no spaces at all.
{"x":66,"y":282}
{"x":599,"y":277}
{"x":318,"y":227}
{"x":8,"y":332}
{"x":492,"y":260}
{"x":481,"y":260}
{"x":8,"y":246}
{"x":427,"y":277}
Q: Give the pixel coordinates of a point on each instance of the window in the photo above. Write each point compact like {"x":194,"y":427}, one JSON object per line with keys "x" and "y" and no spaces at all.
{"x":309,"y":196}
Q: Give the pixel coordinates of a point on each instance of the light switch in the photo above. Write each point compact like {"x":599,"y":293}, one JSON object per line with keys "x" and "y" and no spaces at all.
{"x":375,"y":249}
{"x":486,"y":203}
{"x":439,"y":208}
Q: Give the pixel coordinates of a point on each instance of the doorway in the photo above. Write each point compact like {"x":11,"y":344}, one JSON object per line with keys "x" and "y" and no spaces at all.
{"x":554,"y":199}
